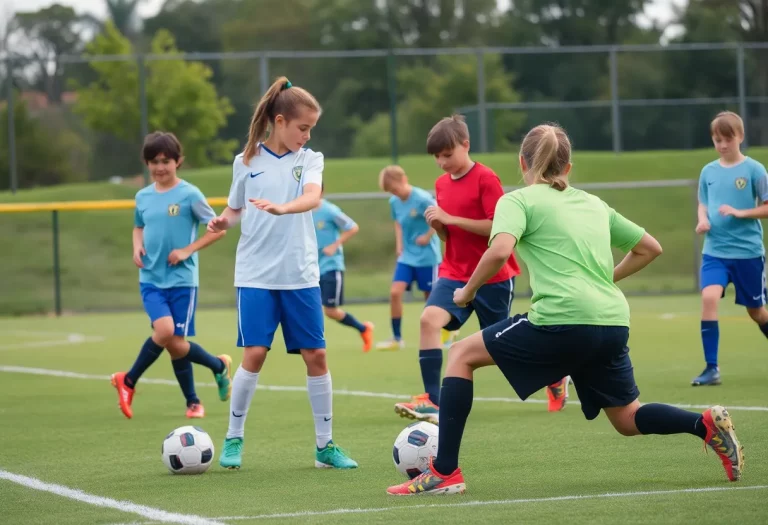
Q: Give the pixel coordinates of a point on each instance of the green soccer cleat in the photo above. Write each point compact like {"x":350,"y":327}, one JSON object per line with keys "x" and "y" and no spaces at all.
{"x":232,"y":453}
{"x":224,"y":379}
{"x":331,"y":456}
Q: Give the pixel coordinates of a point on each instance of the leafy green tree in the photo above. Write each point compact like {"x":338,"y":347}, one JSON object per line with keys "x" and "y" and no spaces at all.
{"x":180,"y":98}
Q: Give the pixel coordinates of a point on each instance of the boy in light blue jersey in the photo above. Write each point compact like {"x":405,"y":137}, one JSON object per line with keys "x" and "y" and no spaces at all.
{"x":333,"y":228}
{"x":733,"y":191}
{"x":416,"y":244}
{"x":168,"y":214}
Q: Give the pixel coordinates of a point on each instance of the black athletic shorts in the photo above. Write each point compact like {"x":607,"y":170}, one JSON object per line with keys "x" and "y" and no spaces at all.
{"x":596,"y":357}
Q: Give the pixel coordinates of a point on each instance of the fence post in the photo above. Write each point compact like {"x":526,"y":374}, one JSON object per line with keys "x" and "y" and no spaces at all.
{"x":481,"y":110}
{"x":264,"y":73}
{"x":56,"y":263}
{"x":696,"y":241}
{"x":740,"y":66}
{"x":615,"y":107}
{"x":143,"y":107}
{"x":12,"y":167}
{"x":392,"y":88}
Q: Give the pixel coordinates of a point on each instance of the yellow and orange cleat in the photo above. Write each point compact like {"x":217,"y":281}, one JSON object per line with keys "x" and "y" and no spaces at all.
{"x":431,"y":482}
{"x":420,"y":408}
{"x":722,"y":439}
{"x":557,"y":394}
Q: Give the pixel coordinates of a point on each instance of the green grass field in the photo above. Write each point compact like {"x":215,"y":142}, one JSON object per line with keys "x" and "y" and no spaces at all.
{"x":97,"y":272}
{"x":521,"y":463}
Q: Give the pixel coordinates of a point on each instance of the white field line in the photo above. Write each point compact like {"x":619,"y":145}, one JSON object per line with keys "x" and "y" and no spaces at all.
{"x":340,"y":392}
{"x":433,"y":506}
{"x":63,"y":339}
{"x":153,"y":514}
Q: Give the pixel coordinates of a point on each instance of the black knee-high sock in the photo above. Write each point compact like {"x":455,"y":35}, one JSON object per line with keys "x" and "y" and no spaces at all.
{"x":455,"y":405}
{"x":656,"y":418}
{"x":201,"y":357}
{"x":149,"y":353}
{"x":764,"y":329}
{"x":185,"y":376}
{"x":431,"y":363}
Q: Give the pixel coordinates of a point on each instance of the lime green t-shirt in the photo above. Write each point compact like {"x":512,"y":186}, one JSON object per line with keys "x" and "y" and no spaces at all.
{"x":565,"y":238}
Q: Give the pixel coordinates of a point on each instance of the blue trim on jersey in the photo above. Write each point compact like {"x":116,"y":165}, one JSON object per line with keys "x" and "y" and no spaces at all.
{"x":265,"y":148}
{"x":298,"y":312}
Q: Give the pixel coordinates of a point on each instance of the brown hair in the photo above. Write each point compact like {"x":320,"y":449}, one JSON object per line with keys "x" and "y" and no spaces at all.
{"x":727,"y":124}
{"x":389,"y":174}
{"x":282,"y":98}
{"x":447,"y":134}
{"x":547,"y":151}
{"x":161,"y":142}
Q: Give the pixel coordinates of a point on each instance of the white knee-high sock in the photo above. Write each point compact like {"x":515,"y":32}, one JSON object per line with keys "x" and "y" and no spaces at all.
{"x":243,"y":386}
{"x":320,"y":390}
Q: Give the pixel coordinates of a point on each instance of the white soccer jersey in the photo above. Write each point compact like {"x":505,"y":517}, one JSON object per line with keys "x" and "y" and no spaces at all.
{"x":275,"y":252}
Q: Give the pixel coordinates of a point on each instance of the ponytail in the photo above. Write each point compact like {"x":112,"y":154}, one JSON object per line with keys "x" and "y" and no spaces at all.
{"x":282,"y":98}
{"x":547,"y":152}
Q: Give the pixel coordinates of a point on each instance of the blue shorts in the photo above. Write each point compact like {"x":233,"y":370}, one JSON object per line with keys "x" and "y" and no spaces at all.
{"x":298,"y":312}
{"x":332,"y":288}
{"x":179,"y":303}
{"x":492,"y":302}
{"x":596,"y":357}
{"x":747,"y":276}
{"x":424,"y":276}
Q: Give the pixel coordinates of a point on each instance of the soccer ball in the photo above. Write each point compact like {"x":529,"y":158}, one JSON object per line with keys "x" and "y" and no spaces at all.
{"x":187,"y":450}
{"x":413,"y":448}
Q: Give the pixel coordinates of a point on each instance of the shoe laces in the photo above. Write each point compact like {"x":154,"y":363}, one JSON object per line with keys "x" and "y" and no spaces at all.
{"x":233,"y":444}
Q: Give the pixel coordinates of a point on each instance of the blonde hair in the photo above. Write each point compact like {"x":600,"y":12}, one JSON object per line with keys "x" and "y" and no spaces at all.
{"x":547,"y":152}
{"x":390,"y":174}
{"x":447,"y":134}
{"x":282,"y":98}
{"x":727,"y":124}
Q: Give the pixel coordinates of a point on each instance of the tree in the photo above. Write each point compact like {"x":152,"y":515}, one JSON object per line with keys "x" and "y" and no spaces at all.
{"x":42,"y":37}
{"x":435,"y":92}
{"x":180,"y":98}
{"x":123,"y":15}
{"x":46,"y":151}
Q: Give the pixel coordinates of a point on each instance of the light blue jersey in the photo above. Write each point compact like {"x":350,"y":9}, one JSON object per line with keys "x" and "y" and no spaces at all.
{"x":170,"y":220}
{"x":742,"y":186}
{"x":409,"y":214}
{"x":330,"y":222}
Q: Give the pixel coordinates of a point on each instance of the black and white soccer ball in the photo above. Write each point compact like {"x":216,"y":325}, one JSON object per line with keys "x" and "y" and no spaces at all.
{"x":188,"y":450}
{"x":413,"y":448}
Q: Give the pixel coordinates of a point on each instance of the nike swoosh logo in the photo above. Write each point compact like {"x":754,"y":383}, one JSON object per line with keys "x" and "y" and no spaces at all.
{"x":236,"y":415}
{"x":254,"y":175}
{"x":327,"y":418}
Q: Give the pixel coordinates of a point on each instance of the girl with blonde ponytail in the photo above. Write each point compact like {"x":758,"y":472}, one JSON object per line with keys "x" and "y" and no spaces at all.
{"x":276,"y":184}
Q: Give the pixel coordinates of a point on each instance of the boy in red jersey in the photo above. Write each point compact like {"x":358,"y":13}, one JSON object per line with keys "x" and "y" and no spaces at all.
{"x":466,"y":194}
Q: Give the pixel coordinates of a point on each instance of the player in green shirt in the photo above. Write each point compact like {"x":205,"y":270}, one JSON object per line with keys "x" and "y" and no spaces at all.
{"x":578,"y":323}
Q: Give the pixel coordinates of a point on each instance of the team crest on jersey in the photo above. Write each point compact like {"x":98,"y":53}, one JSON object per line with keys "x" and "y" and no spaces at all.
{"x":414,"y":212}
{"x":173,"y":210}
{"x":741,"y":183}
{"x":320,"y":225}
{"x":297,"y":172}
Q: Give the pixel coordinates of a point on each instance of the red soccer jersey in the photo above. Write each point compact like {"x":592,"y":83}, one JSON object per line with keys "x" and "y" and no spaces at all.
{"x":473,"y":196}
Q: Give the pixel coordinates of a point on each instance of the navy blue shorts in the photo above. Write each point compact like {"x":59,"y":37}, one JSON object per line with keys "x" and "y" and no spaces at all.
{"x":492,"y":302}
{"x":747,"y":276}
{"x":332,"y":288}
{"x":298,"y":312}
{"x":179,"y":303}
{"x":425,"y":276}
{"x":596,"y":357}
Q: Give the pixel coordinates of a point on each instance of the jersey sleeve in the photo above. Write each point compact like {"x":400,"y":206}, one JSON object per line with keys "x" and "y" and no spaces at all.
{"x":138,"y":220}
{"x":236,"y":199}
{"x":313,"y":171}
{"x":625,"y":234}
{"x":490,"y":193}
{"x":200,"y":207}
{"x":703,"y":188}
{"x":510,"y":216}
{"x":760,"y":182}
{"x":426,"y":202}
{"x":342,"y":221}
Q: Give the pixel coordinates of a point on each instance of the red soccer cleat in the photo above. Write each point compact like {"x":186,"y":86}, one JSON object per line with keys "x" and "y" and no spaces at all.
{"x":124,"y":393}
{"x":557,"y":394}
{"x":722,"y":439}
{"x":431,"y":482}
